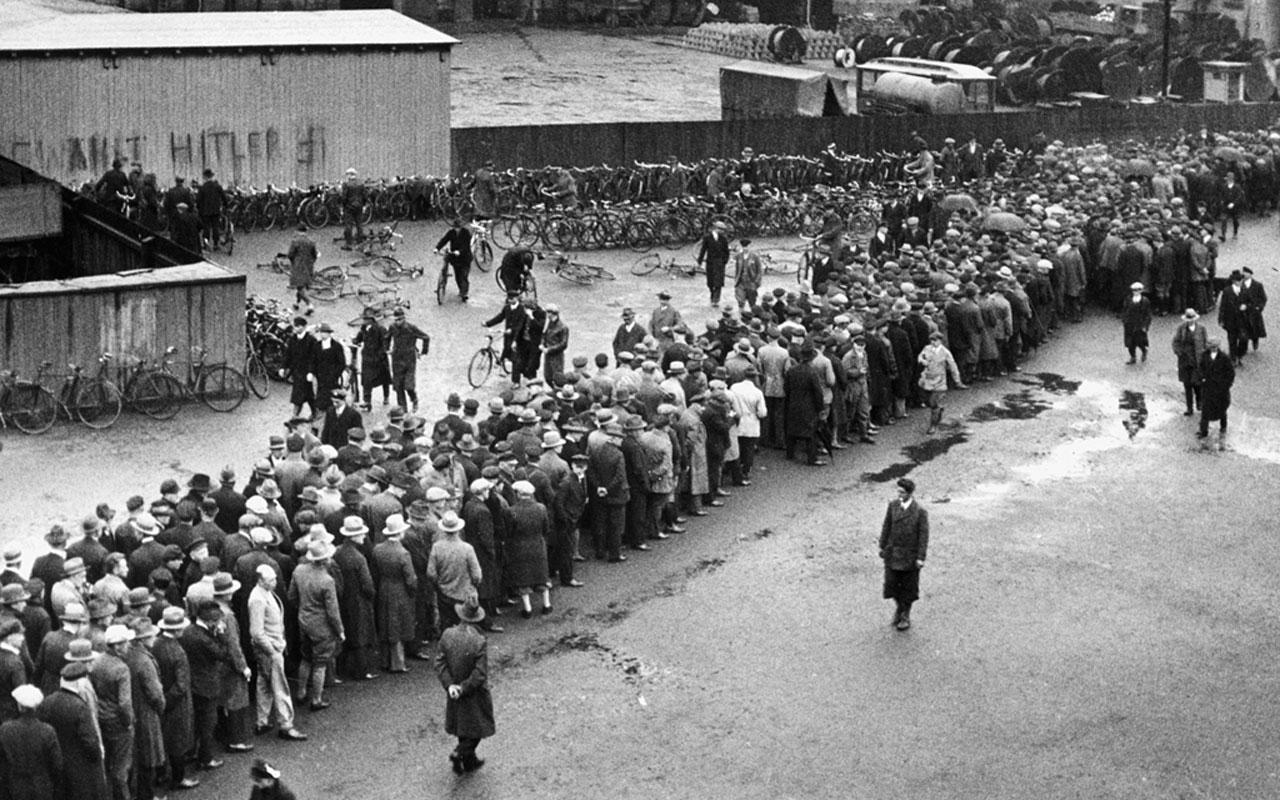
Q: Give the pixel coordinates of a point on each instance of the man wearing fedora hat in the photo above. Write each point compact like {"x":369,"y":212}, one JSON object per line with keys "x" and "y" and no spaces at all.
{"x":404,"y":338}
{"x":233,"y":700}
{"x":69,"y":709}
{"x":1190,"y":341}
{"x":177,"y":721}
{"x":73,"y":588}
{"x":478,"y":517}
{"x":147,"y":694}
{"x":452,"y":568}
{"x":149,"y":554}
{"x":314,"y":593}
{"x":713,"y":251}
{"x":555,"y":340}
{"x":629,"y":333}
{"x":48,"y":567}
{"x":109,"y":675}
{"x":12,"y":565}
{"x":664,"y":321}
{"x":51,"y":654}
{"x":904,"y":543}
{"x":609,"y":492}
{"x":15,"y":666}
{"x":375,"y":366}
{"x":298,"y":367}
{"x":462,"y":665}
{"x":397,"y":582}
{"x":356,"y":601}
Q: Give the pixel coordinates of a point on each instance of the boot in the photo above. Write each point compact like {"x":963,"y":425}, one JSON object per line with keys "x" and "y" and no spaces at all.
{"x":935,"y":419}
{"x":904,"y":619}
{"x":317,"y":688}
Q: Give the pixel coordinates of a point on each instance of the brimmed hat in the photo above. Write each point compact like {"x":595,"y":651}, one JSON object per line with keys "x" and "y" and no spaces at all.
{"x":201,"y":483}
{"x":469,"y":610}
{"x":74,"y":612}
{"x":14,"y":593}
{"x":224,"y":584}
{"x":318,"y":550}
{"x":353,"y":526}
{"x":1136,"y":286}
{"x":451,"y":523}
{"x":80,"y":650}
{"x":12,"y":556}
{"x":269,"y":490}
{"x":118,"y":634}
{"x":73,"y":566}
{"x":1190,"y":315}
{"x":468,"y":443}
{"x":395,"y":526}
{"x":101,"y":609}
{"x":676,"y":367}
{"x":551,"y":439}
{"x":139,"y":597}
{"x":57,"y":536}
{"x":633,"y":423}
{"x":419,"y":510}
{"x":174,"y":619}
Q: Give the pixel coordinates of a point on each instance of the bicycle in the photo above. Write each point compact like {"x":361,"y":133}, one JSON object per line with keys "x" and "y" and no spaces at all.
{"x":225,"y":240}
{"x":95,"y":401}
{"x":529,"y":287}
{"x":256,"y":374}
{"x":482,"y":244}
{"x":442,"y":282}
{"x":578,"y":272}
{"x":28,"y":405}
{"x":280,"y":264}
{"x":158,"y":392}
{"x":382,"y":307}
{"x":482,"y":363}
{"x":652,"y":262}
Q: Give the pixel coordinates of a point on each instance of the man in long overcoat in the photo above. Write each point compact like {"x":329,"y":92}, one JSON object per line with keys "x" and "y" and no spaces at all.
{"x":302,"y":264}
{"x":1233,"y":316}
{"x":803,"y":390}
{"x":31,"y":761}
{"x":714,"y":252}
{"x":357,"y":601}
{"x":178,"y":722}
{"x":463,"y":667}
{"x":1190,"y":341}
{"x":904,"y":542}
{"x":73,"y":721}
{"x":375,"y":368}
{"x":148,"y":708}
{"x":397,"y":583}
{"x":314,"y":593}
{"x":1256,"y":302}
{"x":1217,"y":373}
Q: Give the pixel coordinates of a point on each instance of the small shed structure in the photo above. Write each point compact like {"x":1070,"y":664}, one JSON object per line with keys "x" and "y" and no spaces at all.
{"x":757,"y":89}
{"x":258,"y":97}
{"x":918,"y":84}
{"x":1224,"y":81}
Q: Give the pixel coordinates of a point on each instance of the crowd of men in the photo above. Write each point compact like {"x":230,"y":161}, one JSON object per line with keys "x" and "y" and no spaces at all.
{"x":208,"y":612}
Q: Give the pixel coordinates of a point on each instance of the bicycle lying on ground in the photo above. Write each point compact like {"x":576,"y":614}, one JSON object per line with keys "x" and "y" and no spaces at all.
{"x":652,"y":262}
{"x":577,"y":271}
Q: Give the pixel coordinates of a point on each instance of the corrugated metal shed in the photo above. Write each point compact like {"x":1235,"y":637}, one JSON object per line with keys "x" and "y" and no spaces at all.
{"x":278,"y":30}
{"x":273,"y":97}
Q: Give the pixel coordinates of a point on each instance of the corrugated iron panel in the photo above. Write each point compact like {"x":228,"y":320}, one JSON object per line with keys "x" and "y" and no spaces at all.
{"x":290,"y":118}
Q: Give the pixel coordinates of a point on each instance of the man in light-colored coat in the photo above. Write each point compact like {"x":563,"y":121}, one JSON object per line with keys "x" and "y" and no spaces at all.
{"x":266,"y":632}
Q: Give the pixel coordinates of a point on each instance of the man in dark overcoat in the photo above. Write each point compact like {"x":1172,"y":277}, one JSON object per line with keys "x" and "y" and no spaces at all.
{"x":1256,"y":302}
{"x":330,"y":363}
{"x":299,"y":366}
{"x":375,"y":368}
{"x":463,"y":666}
{"x":803,"y":390}
{"x":339,"y":419}
{"x":177,"y":723}
{"x":714,"y":252}
{"x":73,"y":722}
{"x":404,"y":337}
{"x":1233,"y":316}
{"x":31,"y":762}
{"x":1190,"y":341}
{"x":356,"y":602}
{"x":904,"y":542}
{"x":1217,"y":373}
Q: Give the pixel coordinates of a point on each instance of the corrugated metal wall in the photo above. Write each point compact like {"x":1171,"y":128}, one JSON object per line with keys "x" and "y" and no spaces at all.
{"x":304,"y":117}
{"x":624,"y":142}
{"x":130,"y":322}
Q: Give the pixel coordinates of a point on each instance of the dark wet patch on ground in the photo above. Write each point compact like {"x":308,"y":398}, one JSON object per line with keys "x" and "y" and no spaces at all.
{"x":614,"y":612}
{"x":917,"y":454}
{"x":1015,"y":405}
{"x":704,"y":566}
{"x":633,"y":669}
{"x":764,"y":533}
{"x":1051,"y":382}
{"x":1135,"y":403}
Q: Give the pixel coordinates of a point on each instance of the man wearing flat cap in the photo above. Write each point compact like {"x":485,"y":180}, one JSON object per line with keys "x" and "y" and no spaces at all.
{"x":555,"y":340}
{"x":30,"y":755}
{"x":904,"y":542}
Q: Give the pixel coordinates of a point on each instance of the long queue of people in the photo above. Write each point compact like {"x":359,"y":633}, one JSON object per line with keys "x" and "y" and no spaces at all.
{"x":209,"y":612}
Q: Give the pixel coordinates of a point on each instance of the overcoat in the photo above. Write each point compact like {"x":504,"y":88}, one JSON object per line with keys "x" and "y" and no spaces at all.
{"x":463,"y":659}
{"x":72,"y":720}
{"x":904,"y":537}
{"x":697,"y":480}
{"x":31,"y":761}
{"x":375,"y":365}
{"x":1257,"y":301}
{"x":1189,"y":344}
{"x":397,"y":583}
{"x":358,"y":596}
{"x":175,"y":677}
{"x":148,"y":706}
{"x":479,"y":533}
{"x":1216,"y":376}
{"x":803,"y":400}
{"x":528,"y":528}
{"x":1137,"y":319}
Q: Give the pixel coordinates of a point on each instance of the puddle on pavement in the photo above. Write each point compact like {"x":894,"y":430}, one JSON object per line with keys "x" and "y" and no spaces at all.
{"x":1051,"y":382}
{"x":633,"y":669}
{"x":917,"y":454}
{"x":1015,"y":405}
{"x":1135,"y":403}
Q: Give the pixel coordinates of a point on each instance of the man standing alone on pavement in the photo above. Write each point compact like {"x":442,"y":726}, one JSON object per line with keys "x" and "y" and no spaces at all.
{"x":404,"y":337}
{"x":302,"y":264}
{"x":714,"y":252}
{"x":463,"y":667}
{"x":904,"y":542}
{"x":1216,"y":376}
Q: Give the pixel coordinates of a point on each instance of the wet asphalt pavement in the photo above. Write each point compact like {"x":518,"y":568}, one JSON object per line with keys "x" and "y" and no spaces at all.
{"x":1096,"y":616}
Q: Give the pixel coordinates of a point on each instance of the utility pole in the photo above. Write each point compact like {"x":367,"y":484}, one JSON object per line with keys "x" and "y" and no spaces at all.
{"x":1164,"y":58}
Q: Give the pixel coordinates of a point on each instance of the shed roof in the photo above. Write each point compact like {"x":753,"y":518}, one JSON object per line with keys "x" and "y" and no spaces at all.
{"x":773,"y":70}
{"x":253,"y":30}
{"x":942,"y":70}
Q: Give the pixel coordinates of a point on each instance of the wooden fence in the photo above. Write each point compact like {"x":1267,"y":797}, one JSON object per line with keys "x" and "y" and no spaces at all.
{"x":624,"y":142}
{"x":134,"y":315}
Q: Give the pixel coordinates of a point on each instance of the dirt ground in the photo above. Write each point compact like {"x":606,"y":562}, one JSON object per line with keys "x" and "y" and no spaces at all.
{"x":546,"y":76}
{"x":1096,"y":618}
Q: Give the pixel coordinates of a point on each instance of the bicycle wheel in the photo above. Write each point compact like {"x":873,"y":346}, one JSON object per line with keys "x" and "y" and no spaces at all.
{"x":386,"y":269}
{"x":442,"y":284}
{"x":639,"y":236}
{"x":646,"y":264}
{"x":561,"y":233}
{"x":672,"y":232}
{"x":480,"y":368}
{"x":482,"y":256}
{"x":31,"y":408}
{"x":229,"y":237}
{"x":332,"y":274}
{"x":325,"y":292}
{"x":257,"y":377}
{"x":599,"y":273}
{"x":369,"y":294}
{"x":97,"y":403}
{"x":222,"y":388}
{"x":573,"y":273}
{"x":314,"y":212}
{"x":271,"y":351}
{"x":155,"y":394}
